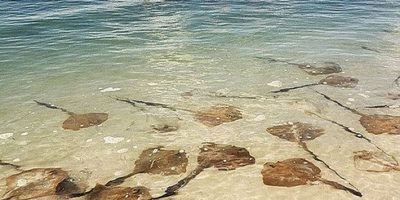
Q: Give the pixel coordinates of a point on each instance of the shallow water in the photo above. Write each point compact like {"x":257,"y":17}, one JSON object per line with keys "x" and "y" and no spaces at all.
{"x":67,"y":52}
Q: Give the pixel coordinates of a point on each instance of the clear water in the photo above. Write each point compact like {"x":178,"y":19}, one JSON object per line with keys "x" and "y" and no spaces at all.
{"x":65,"y":52}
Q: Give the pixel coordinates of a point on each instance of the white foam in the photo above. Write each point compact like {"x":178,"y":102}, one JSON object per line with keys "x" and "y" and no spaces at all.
{"x":22,"y":182}
{"x":22,"y":143}
{"x":118,"y":173}
{"x":122,"y":150}
{"x":113,"y":140}
{"x":110,"y":89}
{"x":259,"y":118}
{"x":363,"y":95}
{"x":275,"y":84}
{"x":6,"y":135}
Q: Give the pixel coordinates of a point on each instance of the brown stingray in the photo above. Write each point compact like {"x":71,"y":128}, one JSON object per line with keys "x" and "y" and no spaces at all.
{"x":220,"y":156}
{"x":219,"y":114}
{"x":297,"y":171}
{"x":39,"y":182}
{"x":324,"y":68}
{"x":101,"y":192}
{"x":296,"y":132}
{"x":374,"y":161}
{"x":212,"y":116}
{"x":339,"y":81}
{"x":77,"y":121}
{"x":379,"y":124}
{"x":331,"y":80}
{"x":376,"y":123}
{"x":157,"y":161}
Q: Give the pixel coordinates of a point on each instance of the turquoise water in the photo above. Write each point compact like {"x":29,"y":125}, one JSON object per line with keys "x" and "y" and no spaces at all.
{"x":66,"y":52}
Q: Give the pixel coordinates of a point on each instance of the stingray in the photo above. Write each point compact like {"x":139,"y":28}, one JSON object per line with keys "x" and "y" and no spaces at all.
{"x":219,"y":114}
{"x":101,"y":192}
{"x":39,"y":182}
{"x":212,"y":116}
{"x":156,"y":161}
{"x":221,"y":156}
{"x":77,"y":121}
{"x":297,"y":171}
{"x":331,"y":80}
{"x":376,"y":123}
{"x":325,"y":68}
{"x":300,"y":133}
{"x":373,"y":161}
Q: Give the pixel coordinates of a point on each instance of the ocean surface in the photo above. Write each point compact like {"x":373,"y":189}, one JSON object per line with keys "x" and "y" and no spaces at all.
{"x":82,"y":55}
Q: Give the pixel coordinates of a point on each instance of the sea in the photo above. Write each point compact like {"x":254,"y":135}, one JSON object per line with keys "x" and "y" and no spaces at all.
{"x":83,"y":55}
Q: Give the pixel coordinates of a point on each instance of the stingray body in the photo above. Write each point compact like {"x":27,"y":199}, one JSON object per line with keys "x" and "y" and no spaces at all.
{"x":295,"y":172}
{"x":39,"y":182}
{"x":325,"y":68}
{"x":77,"y":121}
{"x":219,"y":114}
{"x":380,"y":124}
{"x":101,"y":192}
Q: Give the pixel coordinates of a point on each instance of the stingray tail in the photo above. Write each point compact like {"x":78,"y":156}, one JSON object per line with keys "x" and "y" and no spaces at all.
{"x":341,"y":187}
{"x":119,"y":180}
{"x":16,"y":167}
{"x":339,"y":104}
{"x":51,"y":106}
{"x":294,"y":88}
{"x":173,"y":189}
